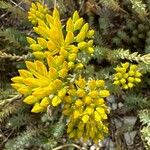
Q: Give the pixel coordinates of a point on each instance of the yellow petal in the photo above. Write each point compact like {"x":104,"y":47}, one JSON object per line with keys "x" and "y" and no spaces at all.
{"x":78,"y":103}
{"x":63,"y":73}
{"x":39,"y":55}
{"x":75,"y":16}
{"x":37,"y":108}
{"x":78,"y":24}
{"x":82,"y":45}
{"x":52,"y":47}
{"x":80,"y":82}
{"x":76,"y":114}
{"x":69,"y":25}
{"x":62,"y":92}
{"x":36,"y":47}
{"x":30,"y":100}
{"x":85,"y":28}
{"x":93,"y":94}
{"x":85,"y":118}
{"x":30,"y":65}
{"x":53,"y":74}
{"x":100,"y":83}
{"x":69,"y":37}
{"x":92,"y":84}
{"x":50,"y":20}
{"x":104,"y":93}
{"x":131,"y":79}
{"x":137,"y":80}
{"x":89,"y":110}
{"x":42,"y":42}
{"x":80,"y":37}
{"x":56,"y":101}
{"x":17,"y":79}
{"x":125,"y":65}
{"x":130,"y":85}
{"x":24,"y":90}
{"x":81,"y":92}
{"x":72,"y":57}
{"x":122,"y":81}
{"x":88,"y":100}
{"x":41,"y":68}
{"x":31,"y":40}
{"x":24,"y":73}
{"x":44,"y":102}
{"x":90,"y":33}
{"x":56,"y":13}
{"x":97,"y":116}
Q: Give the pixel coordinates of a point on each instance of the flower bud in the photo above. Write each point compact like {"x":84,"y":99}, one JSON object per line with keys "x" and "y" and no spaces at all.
{"x":90,"y":33}
{"x":56,"y":101}
{"x":82,"y":45}
{"x":75,"y":16}
{"x":37,"y":108}
{"x":85,"y":118}
{"x":78,"y":24}
{"x":36,"y":47}
{"x":45,"y":102}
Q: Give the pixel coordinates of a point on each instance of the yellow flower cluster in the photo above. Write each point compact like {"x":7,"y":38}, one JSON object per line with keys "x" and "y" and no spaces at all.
{"x":86,"y":109}
{"x":42,"y":86}
{"x":37,"y":11}
{"x":58,"y":49}
{"x":127,"y":75}
{"x":56,"y":39}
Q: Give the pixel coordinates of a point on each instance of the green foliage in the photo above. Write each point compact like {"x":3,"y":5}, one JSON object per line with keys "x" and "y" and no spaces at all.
{"x":139,"y":7}
{"x":22,"y":141}
{"x":144,"y":116}
{"x":125,"y":54}
{"x":14,"y":57}
{"x":135,"y":101}
{"x":112,"y":4}
{"x":15,"y":10}
{"x":11,"y":40}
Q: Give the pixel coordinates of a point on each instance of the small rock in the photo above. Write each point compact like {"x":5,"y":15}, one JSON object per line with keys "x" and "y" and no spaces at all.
{"x":100,"y":144}
{"x":111,"y":144}
{"x":106,"y":143}
{"x":118,"y":123}
{"x":89,"y":142}
{"x":111,"y":99}
{"x":129,"y":137}
{"x":130,"y":121}
{"x":114,"y":106}
{"x":120,"y":105}
{"x":93,"y":147}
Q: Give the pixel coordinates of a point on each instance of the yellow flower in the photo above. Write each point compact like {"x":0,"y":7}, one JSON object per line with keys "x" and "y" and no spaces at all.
{"x":76,"y":114}
{"x":85,"y":107}
{"x":37,"y":11}
{"x":104,"y":93}
{"x":85,"y":118}
{"x":92,"y":84}
{"x":56,"y":40}
{"x":127,"y":75}
{"x":38,"y":82}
